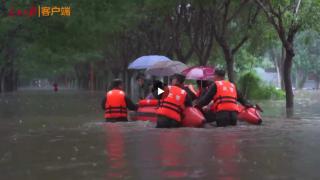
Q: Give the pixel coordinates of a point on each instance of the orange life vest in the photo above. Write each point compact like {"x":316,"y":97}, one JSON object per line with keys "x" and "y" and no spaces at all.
{"x":225,"y":98}
{"x":115,"y":106}
{"x":172,"y":106}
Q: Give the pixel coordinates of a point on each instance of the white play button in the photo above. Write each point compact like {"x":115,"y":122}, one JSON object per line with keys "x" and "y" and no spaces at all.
{"x":160,"y":91}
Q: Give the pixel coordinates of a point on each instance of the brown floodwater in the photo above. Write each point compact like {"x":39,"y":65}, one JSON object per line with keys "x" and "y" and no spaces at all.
{"x":62,"y":136}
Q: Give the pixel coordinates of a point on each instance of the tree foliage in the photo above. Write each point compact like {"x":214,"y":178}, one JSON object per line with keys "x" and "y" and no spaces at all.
{"x":101,"y":37}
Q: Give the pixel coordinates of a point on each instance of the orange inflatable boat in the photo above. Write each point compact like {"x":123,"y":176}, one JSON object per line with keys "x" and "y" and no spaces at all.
{"x":192,"y":116}
{"x":250,"y":115}
{"x":147,"y":112}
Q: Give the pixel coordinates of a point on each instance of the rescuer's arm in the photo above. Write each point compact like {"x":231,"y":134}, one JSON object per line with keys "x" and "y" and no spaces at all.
{"x":242,"y":100}
{"x":130,"y":105}
{"x":208,"y":96}
{"x":103,"y":102}
{"x":192,"y":96}
{"x":188,"y":101}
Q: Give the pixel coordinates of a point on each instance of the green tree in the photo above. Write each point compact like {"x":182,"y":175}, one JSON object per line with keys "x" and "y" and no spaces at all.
{"x":307,"y":57}
{"x":287,"y":18}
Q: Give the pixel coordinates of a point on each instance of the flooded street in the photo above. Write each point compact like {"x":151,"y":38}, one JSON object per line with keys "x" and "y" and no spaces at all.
{"x":55,"y":136}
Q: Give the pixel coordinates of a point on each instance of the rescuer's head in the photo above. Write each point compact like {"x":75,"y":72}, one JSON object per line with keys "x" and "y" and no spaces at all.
{"x":117,"y":84}
{"x":157,"y":84}
{"x":178,"y":79}
{"x":202,"y":83}
{"x":140,"y":79}
{"x":219,"y":74}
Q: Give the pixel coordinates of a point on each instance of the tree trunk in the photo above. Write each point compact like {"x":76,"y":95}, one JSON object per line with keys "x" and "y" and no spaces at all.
{"x":229,"y":58}
{"x":83,"y":82}
{"x":201,"y":61}
{"x":231,"y":75}
{"x":128,"y":85}
{"x":278,"y":76}
{"x":83,"y":75}
{"x":287,"y":77}
{"x":230,"y":63}
{"x":281,"y":67}
{"x":15,"y":80}
{"x":1,"y":78}
{"x":91,"y":77}
{"x":116,"y":73}
{"x":9,"y":79}
{"x":124,"y":79}
{"x":1,"y":84}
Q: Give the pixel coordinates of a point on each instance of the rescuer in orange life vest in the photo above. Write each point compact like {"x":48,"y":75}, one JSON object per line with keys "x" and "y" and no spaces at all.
{"x":225,"y":97}
{"x":176,"y":79}
{"x":116,"y":103}
{"x":174,"y":100}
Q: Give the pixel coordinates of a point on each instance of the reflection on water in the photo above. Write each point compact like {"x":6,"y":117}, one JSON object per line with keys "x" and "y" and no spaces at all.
{"x":227,"y":152}
{"x":172,"y":154}
{"x":47,"y":135}
{"x":115,"y":150}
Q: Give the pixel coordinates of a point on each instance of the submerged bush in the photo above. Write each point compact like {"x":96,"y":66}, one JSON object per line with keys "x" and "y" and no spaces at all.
{"x":252,"y":87}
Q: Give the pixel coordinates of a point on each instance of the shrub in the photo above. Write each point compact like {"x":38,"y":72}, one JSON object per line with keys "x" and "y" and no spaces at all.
{"x":252,"y":87}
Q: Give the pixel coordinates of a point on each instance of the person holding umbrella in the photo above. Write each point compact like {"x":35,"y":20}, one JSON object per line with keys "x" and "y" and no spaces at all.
{"x":225,"y":96}
{"x":203,"y":76}
{"x":202,"y":87}
{"x":143,"y":86}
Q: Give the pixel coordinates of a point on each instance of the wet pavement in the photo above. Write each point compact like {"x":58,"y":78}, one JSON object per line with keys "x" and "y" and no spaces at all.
{"x":58,"y":136}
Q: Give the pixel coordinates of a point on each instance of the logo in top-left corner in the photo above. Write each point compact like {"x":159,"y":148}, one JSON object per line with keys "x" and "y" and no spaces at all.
{"x":32,"y":10}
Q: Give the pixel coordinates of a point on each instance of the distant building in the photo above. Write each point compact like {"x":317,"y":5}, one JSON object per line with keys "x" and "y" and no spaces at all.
{"x":310,"y":82}
{"x":269,"y":76}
